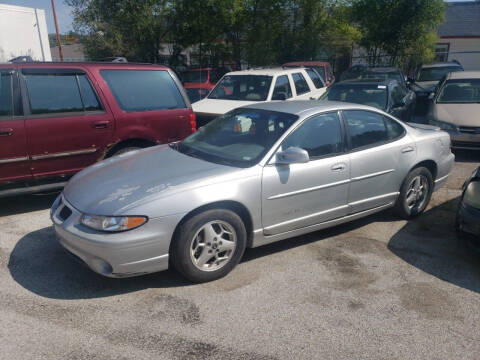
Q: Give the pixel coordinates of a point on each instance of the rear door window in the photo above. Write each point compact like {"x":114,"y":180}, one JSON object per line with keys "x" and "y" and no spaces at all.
{"x":366,"y":128}
{"x":53,"y":93}
{"x":282,"y":86}
{"x":143,"y":90}
{"x":394,"y":129}
{"x":301,"y":84}
{"x":60,"y":91}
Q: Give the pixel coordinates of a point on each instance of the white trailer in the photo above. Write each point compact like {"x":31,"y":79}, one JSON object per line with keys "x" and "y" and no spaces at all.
{"x":23,"y":32}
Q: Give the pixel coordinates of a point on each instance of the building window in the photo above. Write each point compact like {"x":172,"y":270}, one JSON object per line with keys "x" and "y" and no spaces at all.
{"x":441,"y":52}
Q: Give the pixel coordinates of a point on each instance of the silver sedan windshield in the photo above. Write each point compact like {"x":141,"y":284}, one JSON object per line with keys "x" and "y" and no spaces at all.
{"x":239,"y":138}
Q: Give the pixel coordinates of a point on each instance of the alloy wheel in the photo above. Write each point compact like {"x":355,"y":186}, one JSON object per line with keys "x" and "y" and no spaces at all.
{"x":213,"y":245}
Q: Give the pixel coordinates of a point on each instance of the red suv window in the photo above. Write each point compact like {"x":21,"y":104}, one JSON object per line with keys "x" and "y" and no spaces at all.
{"x":143,"y":90}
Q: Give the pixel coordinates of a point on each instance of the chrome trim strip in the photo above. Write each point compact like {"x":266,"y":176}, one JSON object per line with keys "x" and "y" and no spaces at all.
{"x":69,"y":153}
{"x":326,"y":186}
{"x":11,"y":160}
{"x":146,"y":260}
{"x":374,"y":198}
{"x":272,"y":227}
{"x":359,"y":178}
{"x":442,"y":178}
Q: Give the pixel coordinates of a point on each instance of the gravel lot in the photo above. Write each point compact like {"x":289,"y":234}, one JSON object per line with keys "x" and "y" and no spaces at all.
{"x":377,"y":288}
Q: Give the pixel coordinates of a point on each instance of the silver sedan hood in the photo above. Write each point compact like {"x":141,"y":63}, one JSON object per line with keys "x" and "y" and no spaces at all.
{"x":114,"y":185}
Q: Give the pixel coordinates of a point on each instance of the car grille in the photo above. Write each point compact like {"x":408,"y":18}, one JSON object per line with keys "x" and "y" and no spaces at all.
{"x":466,"y":144}
{"x":470,"y":129}
{"x":65,"y":213}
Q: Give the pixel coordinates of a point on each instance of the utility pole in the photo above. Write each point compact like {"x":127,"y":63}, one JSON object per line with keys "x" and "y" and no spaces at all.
{"x":56,"y":30}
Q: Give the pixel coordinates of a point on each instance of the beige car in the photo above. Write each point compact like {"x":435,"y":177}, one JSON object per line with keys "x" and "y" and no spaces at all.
{"x":456,"y":109}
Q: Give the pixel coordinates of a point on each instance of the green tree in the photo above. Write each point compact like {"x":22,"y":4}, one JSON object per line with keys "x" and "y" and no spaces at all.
{"x":395,"y":27}
{"x":131,"y":28}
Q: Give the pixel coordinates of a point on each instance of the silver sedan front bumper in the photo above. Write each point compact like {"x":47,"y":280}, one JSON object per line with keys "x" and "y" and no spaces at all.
{"x":121,"y":254}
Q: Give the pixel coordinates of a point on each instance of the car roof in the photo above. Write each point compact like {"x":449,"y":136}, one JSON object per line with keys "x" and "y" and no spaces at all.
{"x":197,"y":69}
{"x":69,"y":65}
{"x":383,"y":69}
{"x":306,"y":107}
{"x":441,"y":64}
{"x":264,"y":71}
{"x":464,"y":75}
{"x":307,"y":63}
{"x":372,"y":81}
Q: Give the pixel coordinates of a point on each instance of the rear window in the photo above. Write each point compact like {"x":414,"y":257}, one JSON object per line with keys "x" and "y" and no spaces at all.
{"x":315,"y":78}
{"x":143,"y":90}
{"x":436,"y":73}
{"x":199,"y":76}
{"x":300,"y":84}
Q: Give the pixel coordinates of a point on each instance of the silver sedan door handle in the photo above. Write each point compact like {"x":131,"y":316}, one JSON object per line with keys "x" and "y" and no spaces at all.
{"x":338,"y":167}
{"x":407,"y":149}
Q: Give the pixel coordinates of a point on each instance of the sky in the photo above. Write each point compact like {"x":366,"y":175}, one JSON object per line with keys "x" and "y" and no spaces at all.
{"x":64,"y":12}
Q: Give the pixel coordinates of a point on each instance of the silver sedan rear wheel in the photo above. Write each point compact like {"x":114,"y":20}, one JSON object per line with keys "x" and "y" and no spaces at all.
{"x":212,"y":245}
{"x":417,"y":192}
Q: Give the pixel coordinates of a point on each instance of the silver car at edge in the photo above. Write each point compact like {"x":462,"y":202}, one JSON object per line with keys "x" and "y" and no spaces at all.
{"x":253,"y":176}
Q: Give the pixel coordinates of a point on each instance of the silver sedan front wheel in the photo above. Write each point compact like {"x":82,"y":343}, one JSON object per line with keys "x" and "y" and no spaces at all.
{"x":213,"y":245}
{"x":208,"y":245}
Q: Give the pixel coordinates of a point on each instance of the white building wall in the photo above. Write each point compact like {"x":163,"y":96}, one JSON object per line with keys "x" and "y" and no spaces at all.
{"x":466,"y":51}
{"x":23,"y":31}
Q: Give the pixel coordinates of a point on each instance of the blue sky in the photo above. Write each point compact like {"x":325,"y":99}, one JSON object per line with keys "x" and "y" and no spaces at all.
{"x":64,"y":12}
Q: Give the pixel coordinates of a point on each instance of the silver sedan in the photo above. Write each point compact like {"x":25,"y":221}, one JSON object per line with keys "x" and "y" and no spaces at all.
{"x":253,"y":176}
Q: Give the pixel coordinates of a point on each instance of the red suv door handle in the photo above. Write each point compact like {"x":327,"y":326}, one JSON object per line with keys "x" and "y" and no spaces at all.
{"x":6,"y":132}
{"x":100,"y":124}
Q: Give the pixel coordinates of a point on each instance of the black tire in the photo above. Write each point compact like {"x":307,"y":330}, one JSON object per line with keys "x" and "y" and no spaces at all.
{"x":401,"y":207}
{"x":124,"y":150}
{"x":181,"y":248}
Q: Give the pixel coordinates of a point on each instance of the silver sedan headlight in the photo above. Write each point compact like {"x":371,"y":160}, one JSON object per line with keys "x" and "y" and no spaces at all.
{"x":444,"y":125}
{"x":113,"y":223}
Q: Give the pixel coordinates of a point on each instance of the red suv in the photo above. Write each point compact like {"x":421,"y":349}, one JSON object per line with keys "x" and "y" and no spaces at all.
{"x":58,"y":118}
{"x":322,"y":67}
{"x":199,"y":82}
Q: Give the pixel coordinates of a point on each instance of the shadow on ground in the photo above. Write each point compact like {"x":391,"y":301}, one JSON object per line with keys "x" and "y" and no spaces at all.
{"x":26,"y":203}
{"x":469,"y":156}
{"x":39,"y":263}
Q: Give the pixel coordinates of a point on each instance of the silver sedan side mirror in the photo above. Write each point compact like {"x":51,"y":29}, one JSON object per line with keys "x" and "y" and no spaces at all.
{"x":292,"y":155}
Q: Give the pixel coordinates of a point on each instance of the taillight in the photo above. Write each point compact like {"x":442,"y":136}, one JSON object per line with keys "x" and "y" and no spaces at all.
{"x":193,"y":122}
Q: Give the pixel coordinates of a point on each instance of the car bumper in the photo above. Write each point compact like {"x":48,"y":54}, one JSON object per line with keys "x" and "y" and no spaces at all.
{"x":123,"y":254}
{"x":469,"y":222}
{"x":445,"y":166}
{"x":465,"y":141}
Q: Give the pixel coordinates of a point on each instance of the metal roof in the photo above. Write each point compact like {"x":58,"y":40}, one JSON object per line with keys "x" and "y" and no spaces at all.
{"x":461,"y":19}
